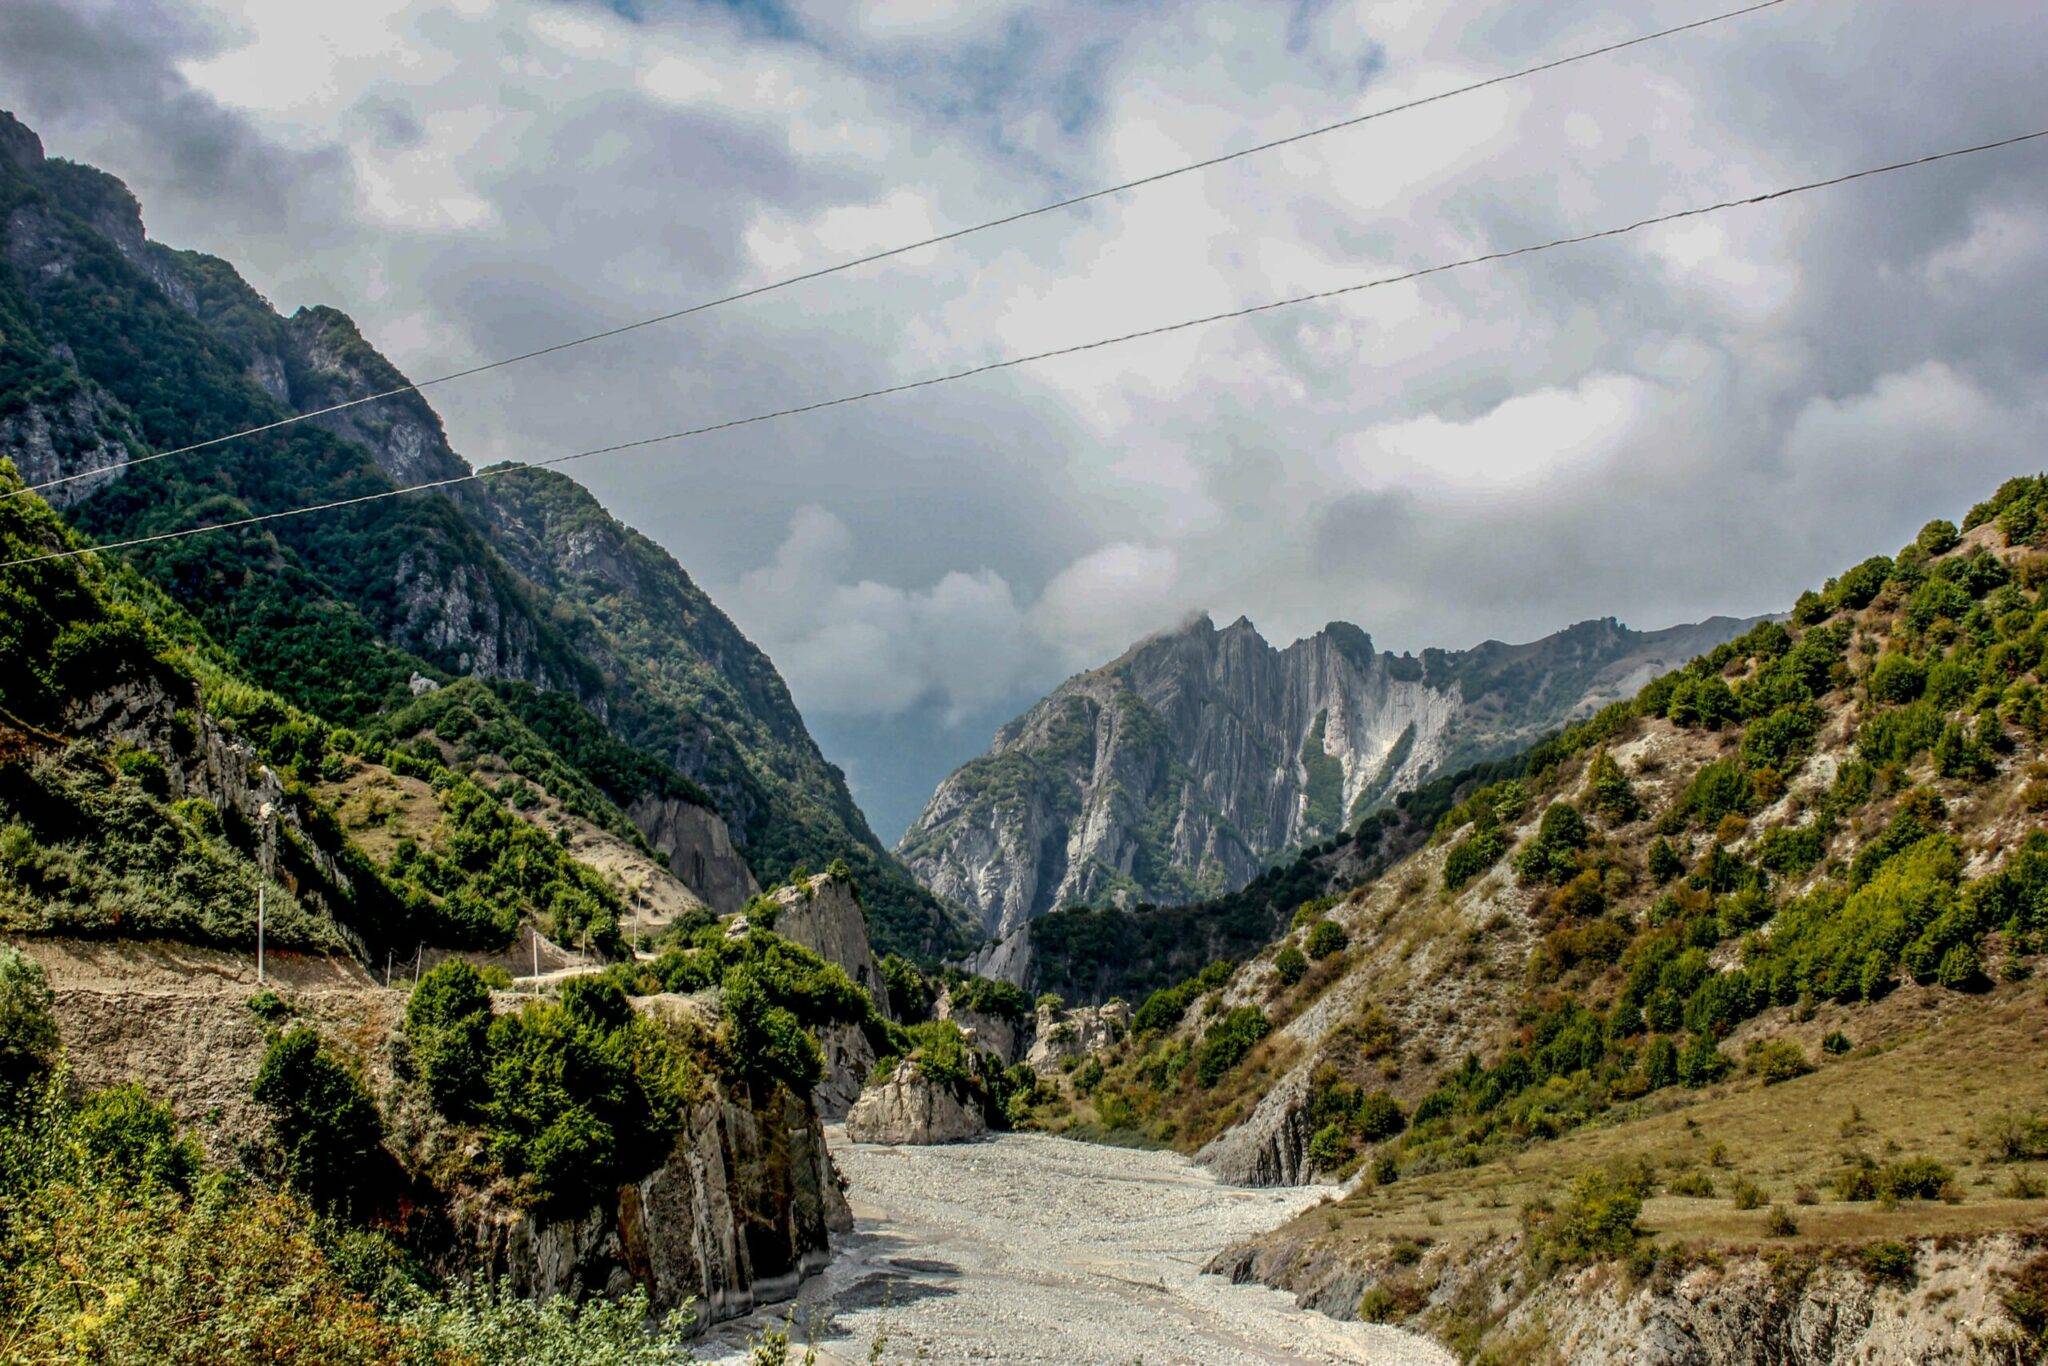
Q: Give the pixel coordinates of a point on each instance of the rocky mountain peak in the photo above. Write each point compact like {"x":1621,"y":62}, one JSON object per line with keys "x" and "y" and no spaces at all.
{"x":1183,"y":767}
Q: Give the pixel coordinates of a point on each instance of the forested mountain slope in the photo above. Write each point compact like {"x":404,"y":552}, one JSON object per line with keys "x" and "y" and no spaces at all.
{"x":112,"y":346}
{"x":1184,"y":767}
{"x":1749,"y":958}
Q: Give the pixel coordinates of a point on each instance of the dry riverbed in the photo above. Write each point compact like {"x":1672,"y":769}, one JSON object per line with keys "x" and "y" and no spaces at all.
{"x":1024,"y":1248}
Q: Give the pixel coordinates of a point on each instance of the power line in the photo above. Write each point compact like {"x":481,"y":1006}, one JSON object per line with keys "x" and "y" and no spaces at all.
{"x":952,"y":236}
{"x":1012,"y":362}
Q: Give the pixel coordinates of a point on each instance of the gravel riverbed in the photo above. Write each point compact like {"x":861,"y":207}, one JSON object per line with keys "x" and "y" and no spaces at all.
{"x":1024,"y":1248}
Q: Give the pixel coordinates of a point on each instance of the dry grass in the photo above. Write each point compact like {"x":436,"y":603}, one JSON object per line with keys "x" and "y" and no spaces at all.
{"x":1929,"y":1084}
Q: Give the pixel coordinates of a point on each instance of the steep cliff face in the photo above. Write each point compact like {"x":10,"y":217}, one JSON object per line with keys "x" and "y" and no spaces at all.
{"x":112,"y":344}
{"x":1180,"y":770}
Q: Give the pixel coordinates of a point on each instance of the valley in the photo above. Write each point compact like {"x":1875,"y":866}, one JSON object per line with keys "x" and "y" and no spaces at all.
{"x":1031,"y":1249}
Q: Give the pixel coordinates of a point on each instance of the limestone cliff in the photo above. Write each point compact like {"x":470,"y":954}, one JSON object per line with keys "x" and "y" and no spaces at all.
{"x":912,"y":1107}
{"x":1183,"y":768}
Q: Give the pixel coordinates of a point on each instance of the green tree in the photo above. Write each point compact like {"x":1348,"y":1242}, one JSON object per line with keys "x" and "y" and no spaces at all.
{"x":325,"y":1125}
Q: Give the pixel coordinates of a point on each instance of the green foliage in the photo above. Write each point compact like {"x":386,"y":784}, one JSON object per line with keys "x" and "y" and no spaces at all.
{"x":1938,"y":537}
{"x":1910,"y":1178}
{"x":1897,"y":678}
{"x":1849,"y":948}
{"x":1326,"y":937}
{"x":1664,"y":862}
{"x":1378,"y":1117}
{"x":1473,"y":855}
{"x":1719,"y":789}
{"x":1701,"y":701}
{"x":1163,"y":1009}
{"x":988,"y":996}
{"x":327,"y":1130}
{"x":1227,"y":1042}
{"x":1290,"y":964}
{"x":1551,"y":855}
{"x":1776,"y":1060}
{"x":1608,"y":791}
{"x":494,"y":1326}
{"x":910,"y":994}
{"x":447,"y":1023}
{"x":1702,"y":1063}
{"x":1596,"y":1220}
{"x":1323,"y":812}
{"x":28,"y":1025}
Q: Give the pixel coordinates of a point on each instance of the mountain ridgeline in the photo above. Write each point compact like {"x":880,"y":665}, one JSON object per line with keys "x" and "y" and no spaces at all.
{"x":112,"y":346}
{"x":1182,"y":769}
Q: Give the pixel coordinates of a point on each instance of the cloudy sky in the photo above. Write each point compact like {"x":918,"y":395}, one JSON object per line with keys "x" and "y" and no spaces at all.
{"x":1702,"y":418}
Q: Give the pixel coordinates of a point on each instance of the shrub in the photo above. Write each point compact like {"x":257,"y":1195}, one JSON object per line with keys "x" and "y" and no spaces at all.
{"x":28,"y":1028}
{"x":910,"y":993}
{"x":2015,"y":1137}
{"x":447,"y":1021}
{"x":1595,"y":1220}
{"x":1608,"y":791}
{"x":1938,"y":537}
{"x":1777,"y":1060}
{"x":1888,"y":1261}
{"x":1912,"y":1178}
{"x":326,"y":1127}
{"x":1835,"y":1043}
{"x":1228,"y":1041}
{"x":132,"y":1140}
{"x":1551,"y":853}
{"x":1664,"y":862}
{"x":1329,"y":1148}
{"x":1473,"y":855}
{"x":1719,"y":789}
{"x":1780,"y":1224}
{"x":2026,"y":1297}
{"x":1325,"y":938}
{"x":1897,"y":678}
{"x":1290,"y":964}
{"x":1379,"y":1117}
{"x":1697,"y":1185}
{"x":1744,"y":1193}
{"x":1702,"y":1064}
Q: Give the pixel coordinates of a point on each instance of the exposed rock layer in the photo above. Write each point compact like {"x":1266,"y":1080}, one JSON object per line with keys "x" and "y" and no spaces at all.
{"x":1182,"y":768}
{"x":912,"y":1107}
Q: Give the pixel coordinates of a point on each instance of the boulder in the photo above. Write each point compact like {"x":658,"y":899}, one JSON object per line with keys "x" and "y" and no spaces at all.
{"x":911,"y":1107}
{"x":991,"y":1032}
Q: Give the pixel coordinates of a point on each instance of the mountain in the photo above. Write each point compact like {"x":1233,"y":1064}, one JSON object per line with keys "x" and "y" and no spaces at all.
{"x":113,"y":346}
{"x":1715,"y":1016}
{"x":1188,"y":764}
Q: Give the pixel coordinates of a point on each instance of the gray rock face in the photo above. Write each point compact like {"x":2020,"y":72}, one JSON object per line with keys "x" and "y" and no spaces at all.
{"x":738,"y":1215}
{"x":910,"y":1107}
{"x":1058,"y":1035}
{"x":1180,"y":770}
{"x":698,"y":847}
{"x":77,"y":437}
{"x":991,"y":1032}
{"x":824,"y":916}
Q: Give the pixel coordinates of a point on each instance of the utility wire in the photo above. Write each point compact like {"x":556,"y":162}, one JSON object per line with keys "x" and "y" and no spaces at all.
{"x":954,"y":235}
{"x":929,"y":381}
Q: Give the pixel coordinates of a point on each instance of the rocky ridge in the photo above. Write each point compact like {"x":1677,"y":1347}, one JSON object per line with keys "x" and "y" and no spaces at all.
{"x":1184,"y":767}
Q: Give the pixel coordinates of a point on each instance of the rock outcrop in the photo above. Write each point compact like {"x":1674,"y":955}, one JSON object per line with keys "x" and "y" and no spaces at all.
{"x":1058,"y":1036}
{"x":698,"y":847}
{"x":823,"y":914}
{"x":1005,"y":1038}
{"x":1789,"y":1308}
{"x":738,"y":1215}
{"x":911,"y":1107}
{"x":1180,"y":770}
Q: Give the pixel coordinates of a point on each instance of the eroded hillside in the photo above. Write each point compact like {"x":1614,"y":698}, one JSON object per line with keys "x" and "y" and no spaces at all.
{"x":1695,"y":978}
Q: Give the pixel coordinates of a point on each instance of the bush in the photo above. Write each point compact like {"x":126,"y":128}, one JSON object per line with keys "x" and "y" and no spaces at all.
{"x":1702,"y":1064}
{"x":1664,"y":862}
{"x":1777,"y":1060}
{"x":1780,"y":1224}
{"x":326,"y":1127}
{"x":447,"y":1021}
{"x":1608,"y":791}
{"x":1835,"y":1043}
{"x":1897,"y":678}
{"x":1228,"y":1041}
{"x":1938,"y":537}
{"x":1379,"y":1117}
{"x":1325,"y":938}
{"x":133,"y":1141}
{"x":1912,"y":1178}
{"x":1473,"y":855}
{"x":28,"y":1027}
{"x":1888,"y":1261}
{"x":1595,"y":1220}
{"x":1551,"y":855}
{"x":1290,"y":964}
